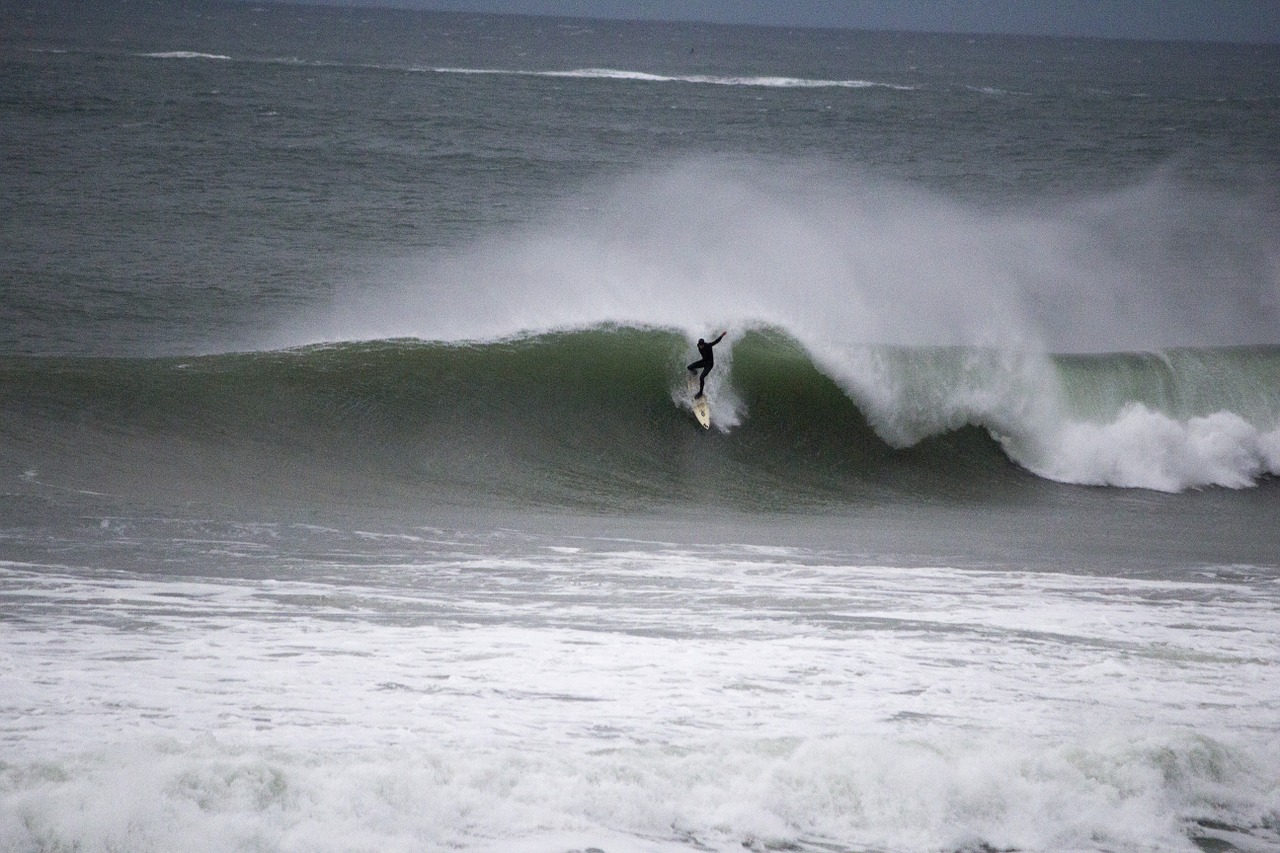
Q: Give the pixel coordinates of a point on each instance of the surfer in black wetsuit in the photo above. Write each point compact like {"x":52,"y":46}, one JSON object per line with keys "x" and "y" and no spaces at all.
{"x":707,"y":361}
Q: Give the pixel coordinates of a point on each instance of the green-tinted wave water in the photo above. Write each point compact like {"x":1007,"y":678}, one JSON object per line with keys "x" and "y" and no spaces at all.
{"x":598,"y":418}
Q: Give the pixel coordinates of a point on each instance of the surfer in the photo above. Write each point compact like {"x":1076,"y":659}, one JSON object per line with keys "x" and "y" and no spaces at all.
{"x":707,"y":361}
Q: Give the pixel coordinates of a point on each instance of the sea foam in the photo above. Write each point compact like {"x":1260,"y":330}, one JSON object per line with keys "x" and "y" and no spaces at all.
{"x":1146,"y":449}
{"x":649,"y":697}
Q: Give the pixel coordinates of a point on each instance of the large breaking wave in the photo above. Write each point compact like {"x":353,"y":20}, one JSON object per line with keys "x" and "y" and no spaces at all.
{"x":598,"y":417}
{"x":1125,"y":339}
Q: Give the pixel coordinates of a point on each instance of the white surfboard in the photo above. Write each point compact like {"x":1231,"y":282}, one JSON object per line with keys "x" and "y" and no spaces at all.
{"x":702,"y":411}
{"x":700,"y":406}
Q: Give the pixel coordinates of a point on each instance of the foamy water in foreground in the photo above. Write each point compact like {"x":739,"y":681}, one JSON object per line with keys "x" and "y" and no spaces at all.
{"x":509,"y":691}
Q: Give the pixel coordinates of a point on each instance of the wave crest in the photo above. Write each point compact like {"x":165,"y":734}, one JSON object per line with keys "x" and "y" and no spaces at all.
{"x":1151,"y":450}
{"x":184,"y":54}
{"x":1170,"y":422}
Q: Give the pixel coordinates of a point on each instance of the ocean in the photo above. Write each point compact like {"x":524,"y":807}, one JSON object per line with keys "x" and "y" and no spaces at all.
{"x":350,"y":498}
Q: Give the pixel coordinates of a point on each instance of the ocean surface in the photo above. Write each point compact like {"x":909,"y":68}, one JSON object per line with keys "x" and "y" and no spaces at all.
{"x":350,"y":498}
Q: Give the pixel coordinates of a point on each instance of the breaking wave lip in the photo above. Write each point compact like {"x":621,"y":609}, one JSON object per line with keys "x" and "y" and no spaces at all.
{"x":1145,"y":449}
{"x":184,"y":54}
{"x":1092,"y":421}
{"x":757,"y":81}
{"x":761,"y":81}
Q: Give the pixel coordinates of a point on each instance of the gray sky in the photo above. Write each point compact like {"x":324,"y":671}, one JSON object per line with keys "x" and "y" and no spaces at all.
{"x":1211,"y":20}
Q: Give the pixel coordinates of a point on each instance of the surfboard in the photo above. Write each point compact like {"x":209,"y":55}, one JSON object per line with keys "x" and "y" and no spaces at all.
{"x":702,"y":411}
{"x":700,"y":406}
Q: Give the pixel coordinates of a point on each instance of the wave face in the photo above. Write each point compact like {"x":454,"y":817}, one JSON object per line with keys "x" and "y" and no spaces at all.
{"x":599,"y":418}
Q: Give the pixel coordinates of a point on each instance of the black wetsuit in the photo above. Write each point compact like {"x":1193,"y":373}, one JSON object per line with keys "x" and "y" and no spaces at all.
{"x":707,"y":361}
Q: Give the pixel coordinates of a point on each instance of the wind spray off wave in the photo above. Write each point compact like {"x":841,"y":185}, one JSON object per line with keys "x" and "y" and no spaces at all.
{"x":851,"y":267}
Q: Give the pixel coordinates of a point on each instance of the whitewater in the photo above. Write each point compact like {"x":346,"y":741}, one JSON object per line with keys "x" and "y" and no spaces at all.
{"x":559,"y":693}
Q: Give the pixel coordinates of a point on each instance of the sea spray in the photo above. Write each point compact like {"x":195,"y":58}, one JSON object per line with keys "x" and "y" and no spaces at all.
{"x":930,"y":313}
{"x":837,"y":258}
